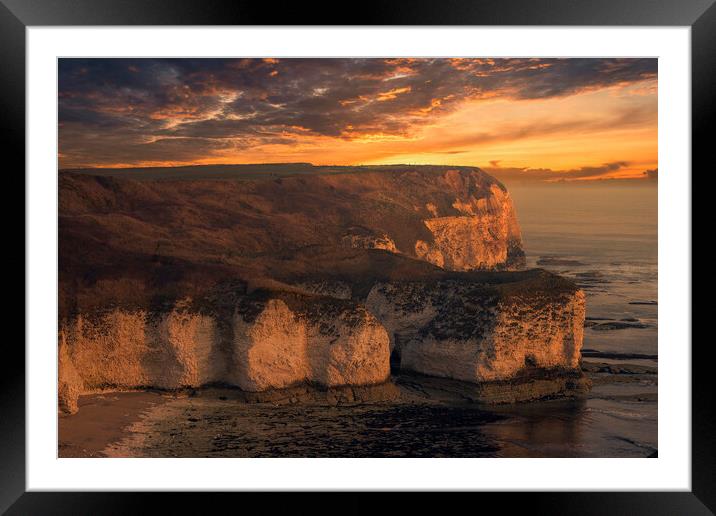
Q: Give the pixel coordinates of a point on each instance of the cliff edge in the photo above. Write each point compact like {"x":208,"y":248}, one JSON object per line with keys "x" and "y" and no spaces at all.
{"x":458,"y":218}
{"x":323,"y":279}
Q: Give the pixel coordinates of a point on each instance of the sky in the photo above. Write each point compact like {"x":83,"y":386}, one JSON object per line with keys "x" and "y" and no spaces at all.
{"x":531,"y":119}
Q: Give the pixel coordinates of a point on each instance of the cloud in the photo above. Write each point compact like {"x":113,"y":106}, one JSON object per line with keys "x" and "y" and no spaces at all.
{"x":511,"y":174}
{"x":652,"y":174}
{"x":280,"y":101}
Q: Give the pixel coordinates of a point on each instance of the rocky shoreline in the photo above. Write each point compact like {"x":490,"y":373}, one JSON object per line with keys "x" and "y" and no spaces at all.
{"x":447,"y":418}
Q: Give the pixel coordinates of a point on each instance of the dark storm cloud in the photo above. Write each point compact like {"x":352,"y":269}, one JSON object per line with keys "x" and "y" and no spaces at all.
{"x":259,"y":101}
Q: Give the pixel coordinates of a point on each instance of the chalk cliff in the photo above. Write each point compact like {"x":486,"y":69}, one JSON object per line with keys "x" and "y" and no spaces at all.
{"x":271,"y":340}
{"x":284,"y":340}
{"x":483,"y":235}
{"x":477,"y":333}
{"x":307,"y":279}
{"x":132,"y":349}
{"x":458,"y":218}
{"x":479,"y":327}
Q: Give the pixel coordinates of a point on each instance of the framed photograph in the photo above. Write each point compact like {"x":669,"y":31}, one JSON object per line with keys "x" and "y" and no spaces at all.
{"x":440,"y":248}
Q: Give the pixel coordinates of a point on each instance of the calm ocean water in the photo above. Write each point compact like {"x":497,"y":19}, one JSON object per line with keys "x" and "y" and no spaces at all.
{"x":606,"y":238}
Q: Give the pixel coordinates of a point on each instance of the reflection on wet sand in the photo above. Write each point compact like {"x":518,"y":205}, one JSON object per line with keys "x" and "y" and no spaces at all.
{"x":218,"y":423}
{"x":539,"y":430}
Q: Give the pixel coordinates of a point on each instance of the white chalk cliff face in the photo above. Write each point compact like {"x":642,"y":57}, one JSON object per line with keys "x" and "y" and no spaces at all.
{"x":70,"y":384}
{"x":136,"y":349}
{"x":275,"y":346}
{"x":520,"y":338}
{"x":461,"y":331}
{"x":485,"y":235}
{"x":404,"y":310}
{"x":265,"y":345}
{"x":470,"y":220}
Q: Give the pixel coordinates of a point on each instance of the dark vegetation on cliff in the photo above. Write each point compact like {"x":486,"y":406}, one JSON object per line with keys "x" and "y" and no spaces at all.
{"x":251,"y":172}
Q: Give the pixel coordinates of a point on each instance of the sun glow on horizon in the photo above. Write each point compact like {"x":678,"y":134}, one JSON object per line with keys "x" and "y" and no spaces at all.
{"x":579,"y":120}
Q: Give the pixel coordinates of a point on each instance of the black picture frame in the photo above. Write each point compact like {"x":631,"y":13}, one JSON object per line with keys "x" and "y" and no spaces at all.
{"x":17,"y":15}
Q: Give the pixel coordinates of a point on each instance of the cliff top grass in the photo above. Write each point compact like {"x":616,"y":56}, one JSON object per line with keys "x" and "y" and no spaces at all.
{"x":254,"y":171}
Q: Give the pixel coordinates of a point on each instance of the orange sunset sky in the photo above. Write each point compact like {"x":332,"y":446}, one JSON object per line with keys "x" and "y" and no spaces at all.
{"x":542,"y":119}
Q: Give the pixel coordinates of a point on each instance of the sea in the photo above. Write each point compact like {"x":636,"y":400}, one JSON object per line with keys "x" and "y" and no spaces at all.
{"x":605,"y":238}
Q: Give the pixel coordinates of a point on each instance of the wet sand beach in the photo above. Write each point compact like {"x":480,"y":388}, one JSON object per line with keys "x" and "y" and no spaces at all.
{"x":103,"y":419}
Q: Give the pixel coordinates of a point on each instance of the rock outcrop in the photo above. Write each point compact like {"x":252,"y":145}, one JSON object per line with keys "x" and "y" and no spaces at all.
{"x":69,"y":383}
{"x":470,"y":333}
{"x":351,"y":269}
{"x":370,"y":241}
{"x":475,"y":332}
{"x":134,"y":349}
{"x":270,"y":341}
{"x":279,"y":342}
{"x":484,"y":235}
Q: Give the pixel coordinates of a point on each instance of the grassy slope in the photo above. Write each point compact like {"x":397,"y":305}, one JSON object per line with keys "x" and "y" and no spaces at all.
{"x":144,"y":237}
